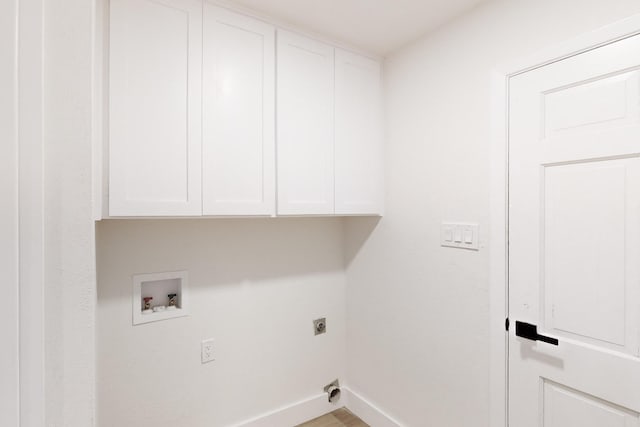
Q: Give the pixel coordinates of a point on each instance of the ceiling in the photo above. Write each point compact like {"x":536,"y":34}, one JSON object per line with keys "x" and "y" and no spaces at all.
{"x":377,"y":26}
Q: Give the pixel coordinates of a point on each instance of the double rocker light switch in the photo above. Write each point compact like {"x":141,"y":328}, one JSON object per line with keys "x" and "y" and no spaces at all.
{"x":460,"y":235}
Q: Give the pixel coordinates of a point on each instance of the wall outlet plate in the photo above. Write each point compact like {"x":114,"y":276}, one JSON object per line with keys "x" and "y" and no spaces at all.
{"x":320,"y":326}
{"x":207,"y":351}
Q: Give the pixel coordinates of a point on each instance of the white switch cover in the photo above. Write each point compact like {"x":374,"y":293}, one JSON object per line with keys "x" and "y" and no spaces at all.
{"x":448,"y":234}
{"x":207,"y":351}
{"x":460,"y":235}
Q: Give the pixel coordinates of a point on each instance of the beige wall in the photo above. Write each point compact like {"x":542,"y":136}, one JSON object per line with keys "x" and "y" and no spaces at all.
{"x":426,"y":361}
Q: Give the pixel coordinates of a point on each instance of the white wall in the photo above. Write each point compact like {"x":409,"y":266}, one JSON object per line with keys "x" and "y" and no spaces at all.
{"x":417,"y":313}
{"x":69,"y":247}
{"x":255,"y":287}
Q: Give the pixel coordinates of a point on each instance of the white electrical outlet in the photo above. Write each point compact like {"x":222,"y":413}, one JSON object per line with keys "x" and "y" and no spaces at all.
{"x":207,"y":351}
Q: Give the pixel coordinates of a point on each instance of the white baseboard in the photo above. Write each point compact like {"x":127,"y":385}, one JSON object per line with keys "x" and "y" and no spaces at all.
{"x":316,"y":406}
{"x":294,"y":414}
{"x":367,"y":411}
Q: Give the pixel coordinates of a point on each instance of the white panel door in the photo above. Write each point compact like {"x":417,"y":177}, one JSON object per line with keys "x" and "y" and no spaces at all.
{"x":239,"y":114}
{"x":9,"y":402}
{"x":155,"y":107}
{"x":305,"y":84}
{"x":574,"y":241}
{"x":358,"y":135}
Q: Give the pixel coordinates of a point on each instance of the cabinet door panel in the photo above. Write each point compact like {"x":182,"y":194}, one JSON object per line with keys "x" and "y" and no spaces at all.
{"x":358,"y":135}
{"x":305,"y":126}
{"x":238,"y":114}
{"x":155,"y":107}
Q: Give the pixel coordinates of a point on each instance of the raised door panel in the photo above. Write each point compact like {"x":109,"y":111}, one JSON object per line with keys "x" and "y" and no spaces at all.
{"x":305,"y":84}
{"x":565,"y":407}
{"x":238,"y":114}
{"x":155,"y":108}
{"x":587,"y":238}
{"x":358,"y":135}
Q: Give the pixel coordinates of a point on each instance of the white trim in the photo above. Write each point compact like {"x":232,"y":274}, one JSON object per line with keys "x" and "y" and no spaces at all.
{"x":9,"y":315}
{"x":31,"y":211}
{"x":97,"y":117}
{"x":295,"y":413}
{"x":101,"y":112}
{"x":498,"y":296}
{"x":367,"y":411}
{"x":499,"y":195}
{"x":316,"y":406}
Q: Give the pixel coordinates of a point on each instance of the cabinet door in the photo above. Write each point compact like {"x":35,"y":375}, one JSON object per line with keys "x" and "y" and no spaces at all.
{"x":305,"y":126}
{"x":155,"y":108}
{"x":239,"y":114}
{"x":358,"y":135}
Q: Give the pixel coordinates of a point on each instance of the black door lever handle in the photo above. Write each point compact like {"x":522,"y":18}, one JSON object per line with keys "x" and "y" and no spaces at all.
{"x":530,"y":332}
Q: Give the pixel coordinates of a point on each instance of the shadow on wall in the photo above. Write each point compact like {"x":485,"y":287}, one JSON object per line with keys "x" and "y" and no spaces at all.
{"x":224,"y":251}
{"x":357,"y":232}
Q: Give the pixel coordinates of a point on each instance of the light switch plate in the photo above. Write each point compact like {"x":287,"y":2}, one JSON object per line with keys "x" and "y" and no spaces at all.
{"x":460,"y":235}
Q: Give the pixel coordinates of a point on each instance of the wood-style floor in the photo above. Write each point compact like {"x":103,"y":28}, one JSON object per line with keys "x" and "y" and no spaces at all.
{"x":338,"y":418}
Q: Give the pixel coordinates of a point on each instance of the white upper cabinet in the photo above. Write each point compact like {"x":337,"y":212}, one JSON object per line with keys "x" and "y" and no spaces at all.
{"x":305,"y":126}
{"x":212,"y":113}
{"x":359,"y":186}
{"x":155,"y":108}
{"x":238,"y":152}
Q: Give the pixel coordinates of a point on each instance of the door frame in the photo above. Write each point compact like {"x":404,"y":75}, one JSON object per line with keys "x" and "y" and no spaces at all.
{"x":28,"y":141}
{"x":9,"y":333}
{"x":499,"y":186}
